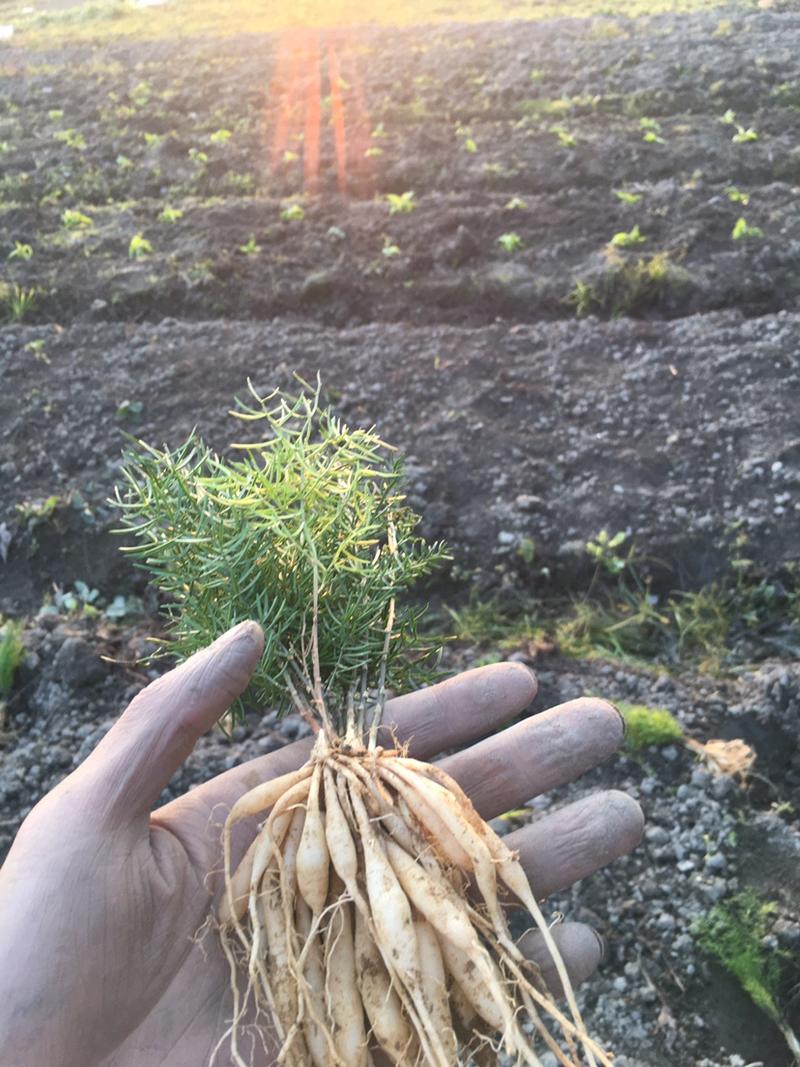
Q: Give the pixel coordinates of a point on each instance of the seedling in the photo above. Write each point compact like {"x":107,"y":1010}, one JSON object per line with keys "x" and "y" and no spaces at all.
{"x":72,"y":219}
{"x":170,"y":214}
{"x":250,"y":247}
{"x":373,"y":152}
{"x":353,"y":890}
{"x":124,"y":164}
{"x":17,"y":301}
{"x":743,"y":231}
{"x":400,"y":203}
{"x":220,"y":136}
{"x":582,"y":296}
{"x":627,"y":197}
{"x":55,"y":114}
{"x":510,"y":242}
{"x":744,"y":136}
{"x":736,"y":196}
{"x":565,"y":138}
{"x":129,"y":409}
{"x":516,"y":203}
{"x":293,"y":213}
{"x":628,"y":238}
{"x":651,"y":131}
{"x":21,"y":251}
{"x":139,"y":248}
{"x":72,"y":139}
{"x":603,"y":550}
{"x":36,"y":347}
{"x":153,"y":140}
{"x":470,"y":144}
{"x":390,"y":249}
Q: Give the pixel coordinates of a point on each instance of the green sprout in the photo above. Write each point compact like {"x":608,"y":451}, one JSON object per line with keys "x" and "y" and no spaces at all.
{"x":603,"y":550}
{"x":71,"y":219}
{"x":743,"y":231}
{"x":139,"y":248}
{"x":307,"y":532}
{"x":510,"y":242}
{"x":220,"y":136}
{"x":565,"y":138}
{"x":293,"y":213}
{"x":627,"y":197}
{"x":628,"y":238}
{"x":21,"y":251}
{"x":400,"y":203}
{"x":651,"y":131}
{"x":72,"y":139}
{"x":516,"y":203}
{"x":250,"y":247}
{"x":736,"y":196}
{"x":16,"y":302}
{"x":744,"y":136}
{"x":582,"y":296}
{"x":646,"y":726}
{"x":170,"y":214}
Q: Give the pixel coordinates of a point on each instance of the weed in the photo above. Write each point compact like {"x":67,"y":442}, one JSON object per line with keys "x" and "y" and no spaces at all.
{"x":170,"y":214}
{"x":220,"y":136}
{"x":565,"y":138}
{"x":744,"y":136}
{"x":72,"y":139}
{"x":71,"y":219}
{"x":648,"y":726}
{"x":21,"y":251}
{"x":651,"y":131}
{"x":628,"y":238}
{"x":743,"y":231}
{"x":37,"y":348}
{"x":139,"y":248}
{"x":400,"y":203}
{"x":293,"y":213}
{"x":16,"y":301}
{"x":153,"y":140}
{"x":627,"y":197}
{"x":582,"y":296}
{"x":634,"y":283}
{"x":603,"y":549}
{"x":736,"y":196}
{"x":510,"y":242}
{"x":250,"y":247}
{"x":12,"y":652}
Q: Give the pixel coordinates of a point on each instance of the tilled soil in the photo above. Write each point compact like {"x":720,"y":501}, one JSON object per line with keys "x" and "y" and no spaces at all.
{"x":543,"y":382}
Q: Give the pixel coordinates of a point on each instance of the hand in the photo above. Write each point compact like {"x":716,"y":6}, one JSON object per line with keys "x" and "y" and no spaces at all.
{"x":102,"y":900}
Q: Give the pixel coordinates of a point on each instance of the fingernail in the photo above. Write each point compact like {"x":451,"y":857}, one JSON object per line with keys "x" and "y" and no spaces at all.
{"x":246,"y":632}
{"x":622,"y":719}
{"x":603,"y":945}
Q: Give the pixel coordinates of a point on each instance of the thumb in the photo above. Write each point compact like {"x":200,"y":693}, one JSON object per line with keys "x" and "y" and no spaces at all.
{"x":127,"y":771}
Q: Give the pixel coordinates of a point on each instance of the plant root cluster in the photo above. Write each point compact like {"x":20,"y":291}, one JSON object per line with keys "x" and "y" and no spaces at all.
{"x":366,"y":916}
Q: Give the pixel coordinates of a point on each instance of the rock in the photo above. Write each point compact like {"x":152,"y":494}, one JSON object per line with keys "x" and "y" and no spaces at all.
{"x":77,"y":665}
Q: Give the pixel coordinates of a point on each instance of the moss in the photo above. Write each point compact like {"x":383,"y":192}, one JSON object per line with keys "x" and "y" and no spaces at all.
{"x":11,"y":652}
{"x":733,"y":933}
{"x":649,"y":726}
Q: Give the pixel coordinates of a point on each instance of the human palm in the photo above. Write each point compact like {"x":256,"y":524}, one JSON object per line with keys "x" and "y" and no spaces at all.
{"x":105,"y":955}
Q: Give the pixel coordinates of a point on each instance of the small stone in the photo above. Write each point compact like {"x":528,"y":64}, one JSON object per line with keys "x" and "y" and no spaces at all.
{"x":656,"y":835}
{"x":76,"y":665}
{"x":716,"y":862}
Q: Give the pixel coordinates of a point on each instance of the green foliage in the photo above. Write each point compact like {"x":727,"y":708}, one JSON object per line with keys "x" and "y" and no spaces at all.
{"x":648,"y":726}
{"x":510,"y":242}
{"x":139,"y":248}
{"x":736,"y":196}
{"x":293,"y":213}
{"x":635,"y":282}
{"x":308,"y":528}
{"x":603,"y":549}
{"x":744,"y":136}
{"x":743,"y":231}
{"x":565,"y":138}
{"x":516,"y":203}
{"x":400,"y":203}
{"x":582,"y":296}
{"x":12,"y":652}
{"x":250,"y":247}
{"x":71,"y":219}
{"x":733,"y":933}
{"x":16,"y":301}
{"x":170,"y":214}
{"x":220,"y":136}
{"x":628,"y":238}
{"x":651,"y":131}
{"x":627,"y":197}
{"x":72,"y":139}
{"x":21,"y":251}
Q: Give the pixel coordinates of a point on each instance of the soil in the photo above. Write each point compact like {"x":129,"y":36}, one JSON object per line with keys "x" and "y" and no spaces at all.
{"x":540,"y":394}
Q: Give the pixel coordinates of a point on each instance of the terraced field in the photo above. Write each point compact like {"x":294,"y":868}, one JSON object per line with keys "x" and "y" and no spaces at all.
{"x":556,"y":260}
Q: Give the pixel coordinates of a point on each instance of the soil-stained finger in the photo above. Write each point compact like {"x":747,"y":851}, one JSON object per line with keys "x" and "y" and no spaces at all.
{"x":577,"y":840}
{"x":582,"y":950}
{"x":537,"y":754}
